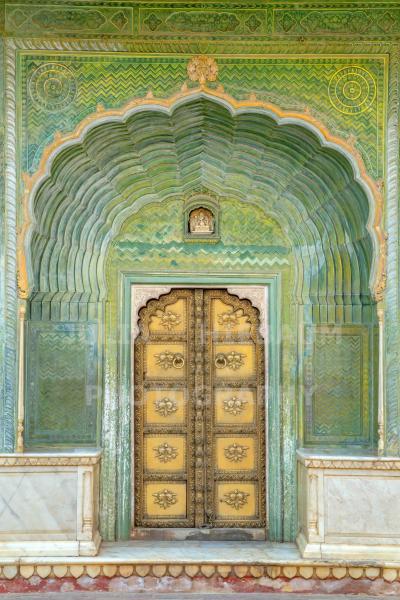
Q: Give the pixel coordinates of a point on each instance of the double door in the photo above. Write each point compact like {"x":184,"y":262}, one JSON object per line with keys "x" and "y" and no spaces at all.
{"x":199,"y":426}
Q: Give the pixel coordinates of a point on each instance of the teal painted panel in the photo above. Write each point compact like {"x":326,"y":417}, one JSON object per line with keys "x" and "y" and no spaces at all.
{"x":61,"y":383}
{"x":337,"y":389}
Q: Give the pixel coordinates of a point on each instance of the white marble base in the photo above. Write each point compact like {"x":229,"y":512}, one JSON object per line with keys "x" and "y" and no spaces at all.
{"x":49,"y":504}
{"x":349,"y":507}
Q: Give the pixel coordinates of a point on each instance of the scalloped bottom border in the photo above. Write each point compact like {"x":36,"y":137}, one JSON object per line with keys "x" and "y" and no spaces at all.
{"x":200,"y":578}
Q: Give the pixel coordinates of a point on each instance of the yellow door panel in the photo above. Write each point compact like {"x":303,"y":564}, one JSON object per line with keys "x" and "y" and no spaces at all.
{"x":171,"y":319}
{"x":236,"y":500}
{"x":226,"y":319}
{"x":234,"y":406}
{"x":235,"y":453}
{"x":164,"y":500}
{"x":234,"y":361}
{"x":165,"y":361}
{"x":165,"y":453}
{"x":165,"y":407}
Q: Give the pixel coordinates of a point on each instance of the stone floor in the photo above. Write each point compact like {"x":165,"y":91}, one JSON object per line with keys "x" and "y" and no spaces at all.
{"x":180,"y":596}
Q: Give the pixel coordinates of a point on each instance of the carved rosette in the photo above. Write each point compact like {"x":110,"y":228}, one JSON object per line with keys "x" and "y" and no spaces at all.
{"x":165,"y":406}
{"x":234,"y":405}
{"x":165,"y":453}
{"x":236,"y":498}
{"x":53,"y":87}
{"x":202,"y":69}
{"x":235,"y":452}
{"x":165,"y":498}
{"x":168,"y":319}
{"x":229,"y":320}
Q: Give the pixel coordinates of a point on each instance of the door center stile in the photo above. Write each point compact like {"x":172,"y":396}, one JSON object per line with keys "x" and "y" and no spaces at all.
{"x":199,"y":413}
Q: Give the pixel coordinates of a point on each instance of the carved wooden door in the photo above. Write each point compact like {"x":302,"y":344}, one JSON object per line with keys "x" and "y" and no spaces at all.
{"x":199,"y":426}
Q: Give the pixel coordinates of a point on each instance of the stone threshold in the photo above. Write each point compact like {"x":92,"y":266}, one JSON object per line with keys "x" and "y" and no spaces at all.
{"x":196,"y":558}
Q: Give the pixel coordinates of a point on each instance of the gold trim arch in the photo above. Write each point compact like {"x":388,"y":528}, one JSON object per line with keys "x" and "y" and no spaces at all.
{"x":377,"y":274}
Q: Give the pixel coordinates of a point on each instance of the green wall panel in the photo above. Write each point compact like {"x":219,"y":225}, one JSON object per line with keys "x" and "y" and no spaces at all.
{"x":62,"y":383}
{"x":338,"y":380}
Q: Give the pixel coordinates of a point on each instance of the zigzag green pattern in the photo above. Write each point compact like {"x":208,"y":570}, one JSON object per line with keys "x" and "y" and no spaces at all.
{"x":61,"y":399}
{"x":249,"y":239}
{"x":336,"y":386}
{"x":290,"y":83}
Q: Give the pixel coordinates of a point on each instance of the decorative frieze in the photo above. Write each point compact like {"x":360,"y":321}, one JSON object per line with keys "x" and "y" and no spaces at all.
{"x":30,"y":18}
{"x":205,"y":20}
{"x":378,"y":464}
{"x":327,"y":461}
{"x":373,"y":19}
{"x":273,"y":571}
{"x":47,"y":460}
{"x":156,"y":20}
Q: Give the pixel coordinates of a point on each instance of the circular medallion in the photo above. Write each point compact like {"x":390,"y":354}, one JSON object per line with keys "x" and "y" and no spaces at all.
{"x":53,"y":87}
{"x":352,"y":90}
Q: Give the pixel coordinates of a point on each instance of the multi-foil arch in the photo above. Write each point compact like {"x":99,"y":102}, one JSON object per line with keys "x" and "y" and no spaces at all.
{"x":354,"y":255}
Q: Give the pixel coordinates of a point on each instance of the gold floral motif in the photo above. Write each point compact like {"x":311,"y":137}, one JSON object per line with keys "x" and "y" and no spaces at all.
{"x":234,"y":405}
{"x":229,"y":319}
{"x":169,"y":360}
{"x":232,"y":360}
{"x":202,"y":69}
{"x":165,"y":498}
{"x":168,"y":319}
{"x":165,"y":452}
{"x":235,"y":452}
{"x":235,"y":498}
{"x":165,"y":406}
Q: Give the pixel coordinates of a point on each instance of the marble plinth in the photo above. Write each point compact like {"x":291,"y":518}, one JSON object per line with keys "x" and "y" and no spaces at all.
{"x":349,"y":507}
{"x":49,"y":504}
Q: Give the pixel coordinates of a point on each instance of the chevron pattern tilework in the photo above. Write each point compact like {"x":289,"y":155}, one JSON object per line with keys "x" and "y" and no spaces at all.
{"x":337,"y":386}
{"x":305,"y":83}
{"x":244,"y":230}
{"x":61,"y":383}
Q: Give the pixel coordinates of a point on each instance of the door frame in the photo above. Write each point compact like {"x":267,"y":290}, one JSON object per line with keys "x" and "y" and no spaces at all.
{"x":272,"y":283}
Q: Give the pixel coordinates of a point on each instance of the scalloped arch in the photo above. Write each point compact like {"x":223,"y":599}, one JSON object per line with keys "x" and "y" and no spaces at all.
{"x":117,"y":161}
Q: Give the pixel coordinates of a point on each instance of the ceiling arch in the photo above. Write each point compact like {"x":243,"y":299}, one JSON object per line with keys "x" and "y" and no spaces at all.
{"x":89,"y":183}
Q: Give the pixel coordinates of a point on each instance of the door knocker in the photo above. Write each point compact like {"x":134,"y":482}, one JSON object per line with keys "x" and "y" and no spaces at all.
{"x":168,"y":359}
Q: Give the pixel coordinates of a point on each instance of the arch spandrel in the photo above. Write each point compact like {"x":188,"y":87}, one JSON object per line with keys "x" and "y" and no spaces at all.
{"x":85,"y":189}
